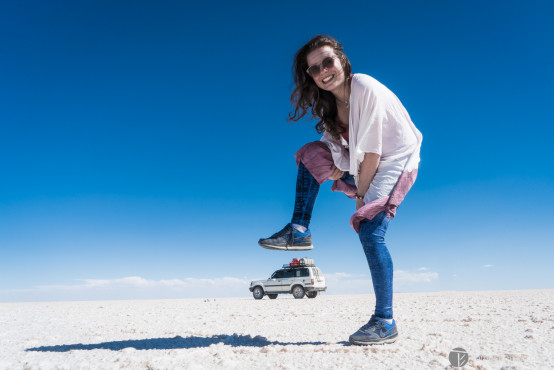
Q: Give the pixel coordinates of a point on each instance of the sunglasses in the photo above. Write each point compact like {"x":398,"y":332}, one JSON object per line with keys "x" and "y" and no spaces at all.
{"x":316,"y":69}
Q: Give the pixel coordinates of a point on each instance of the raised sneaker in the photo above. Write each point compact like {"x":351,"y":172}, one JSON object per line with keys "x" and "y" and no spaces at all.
{"x":288,"y":239}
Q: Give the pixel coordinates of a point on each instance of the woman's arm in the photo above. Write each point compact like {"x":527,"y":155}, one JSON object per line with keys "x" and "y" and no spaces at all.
{"x":367,"y":171}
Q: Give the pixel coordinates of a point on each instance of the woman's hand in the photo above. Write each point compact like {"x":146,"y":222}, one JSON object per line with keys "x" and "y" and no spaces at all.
{"x":359,"y":203}
{"x":337,"y":174}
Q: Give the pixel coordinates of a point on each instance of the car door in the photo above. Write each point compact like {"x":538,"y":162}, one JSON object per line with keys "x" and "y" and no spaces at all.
{"x":288,"y":280}
{"x":302,"y":276}
{"x":273,"y":284}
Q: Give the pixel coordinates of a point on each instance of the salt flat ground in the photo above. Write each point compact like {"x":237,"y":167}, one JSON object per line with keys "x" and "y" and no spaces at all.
{"x":500,"y":329}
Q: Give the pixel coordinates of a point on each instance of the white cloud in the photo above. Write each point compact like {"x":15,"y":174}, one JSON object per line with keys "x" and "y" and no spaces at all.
{"x":422,"y":269}
{"x":138,"y":282}
{"x":132,"y":287}
{"x":409,"y":278}
{"x":487,"y":266}
{"x":345,"y":283}
{"x":136,"y":287}
{"x":342,"y":275}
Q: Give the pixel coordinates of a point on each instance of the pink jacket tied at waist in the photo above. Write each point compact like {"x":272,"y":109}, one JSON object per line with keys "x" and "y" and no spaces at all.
{"x":317,"y":158}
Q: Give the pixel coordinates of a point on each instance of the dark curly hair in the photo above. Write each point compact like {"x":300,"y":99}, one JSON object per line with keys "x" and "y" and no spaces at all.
{"x":307,"y":95}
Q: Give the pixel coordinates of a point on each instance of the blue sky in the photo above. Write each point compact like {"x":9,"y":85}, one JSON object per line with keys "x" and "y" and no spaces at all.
{"x":146,"y":147}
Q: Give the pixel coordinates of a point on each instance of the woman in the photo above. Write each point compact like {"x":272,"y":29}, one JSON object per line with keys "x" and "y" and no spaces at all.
{"x":370,"y":148}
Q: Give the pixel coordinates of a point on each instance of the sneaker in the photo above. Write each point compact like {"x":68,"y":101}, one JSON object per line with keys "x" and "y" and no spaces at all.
{"x":376,"y":331}
{"x":288,"y":239}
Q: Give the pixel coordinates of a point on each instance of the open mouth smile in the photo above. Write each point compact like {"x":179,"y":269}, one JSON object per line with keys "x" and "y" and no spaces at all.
{"x":328,"y":79}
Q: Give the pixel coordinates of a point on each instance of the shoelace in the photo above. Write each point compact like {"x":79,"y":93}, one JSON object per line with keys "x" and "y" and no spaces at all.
{"x":283,"y":232}
{"x":372,"y":322}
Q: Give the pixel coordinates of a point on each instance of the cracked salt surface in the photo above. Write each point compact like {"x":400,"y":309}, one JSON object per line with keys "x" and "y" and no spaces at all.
{"x":511,"y":329}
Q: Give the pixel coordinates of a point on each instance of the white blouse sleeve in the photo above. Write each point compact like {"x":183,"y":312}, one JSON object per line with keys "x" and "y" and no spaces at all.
{"x":370,"y":130}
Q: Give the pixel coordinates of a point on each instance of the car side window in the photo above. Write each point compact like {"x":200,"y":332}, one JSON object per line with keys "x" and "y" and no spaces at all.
{"x":304,"y":272}
{"x":289,"y":274}
{"x":277,"y":274}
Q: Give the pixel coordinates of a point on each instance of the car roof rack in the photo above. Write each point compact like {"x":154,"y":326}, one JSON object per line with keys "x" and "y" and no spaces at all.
{"x":298,"y":266}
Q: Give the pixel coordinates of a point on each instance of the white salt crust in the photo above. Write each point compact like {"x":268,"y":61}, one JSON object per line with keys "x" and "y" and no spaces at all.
{"x":500,"y":329}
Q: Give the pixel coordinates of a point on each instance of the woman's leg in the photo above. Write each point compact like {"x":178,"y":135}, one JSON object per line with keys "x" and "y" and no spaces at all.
{"x":381,"y":328}
{"x":290,"y":237}
{"x":307,"y":189}
{"x":372,"y":236}
{"x":315,"y":166}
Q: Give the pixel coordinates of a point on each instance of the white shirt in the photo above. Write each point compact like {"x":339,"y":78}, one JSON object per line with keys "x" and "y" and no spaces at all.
{"x":379,"y":124}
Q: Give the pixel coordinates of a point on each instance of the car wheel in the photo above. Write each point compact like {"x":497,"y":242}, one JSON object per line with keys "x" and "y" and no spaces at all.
{"x":272,"y":296}
{"x":258,"y":293}
{"x":298,"y":292}
{"x":311,"y":294}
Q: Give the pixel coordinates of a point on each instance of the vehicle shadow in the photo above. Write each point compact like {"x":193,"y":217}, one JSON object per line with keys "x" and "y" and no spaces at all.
{"x":177,"y":342}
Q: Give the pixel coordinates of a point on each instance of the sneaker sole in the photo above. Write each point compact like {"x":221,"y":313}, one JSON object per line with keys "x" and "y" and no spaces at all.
{"x":370,"y":343}
{"x":287,"y":248}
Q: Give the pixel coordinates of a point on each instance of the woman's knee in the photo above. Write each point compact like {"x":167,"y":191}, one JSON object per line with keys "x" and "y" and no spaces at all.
{"x":315,"y":152}
{"x":372,"y":243}
{"x":372,"y":239}
{"x":318,"y":160}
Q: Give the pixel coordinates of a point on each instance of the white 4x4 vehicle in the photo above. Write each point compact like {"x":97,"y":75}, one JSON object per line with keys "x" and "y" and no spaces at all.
{"x":300,"y":277}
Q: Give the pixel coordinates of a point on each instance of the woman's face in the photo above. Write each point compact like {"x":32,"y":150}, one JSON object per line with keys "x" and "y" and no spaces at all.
{"x":330,"y":78}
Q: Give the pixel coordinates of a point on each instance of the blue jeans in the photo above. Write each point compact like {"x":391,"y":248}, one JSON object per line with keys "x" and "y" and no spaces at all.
{"x":307,"y":189}
{"x":372,"y":236}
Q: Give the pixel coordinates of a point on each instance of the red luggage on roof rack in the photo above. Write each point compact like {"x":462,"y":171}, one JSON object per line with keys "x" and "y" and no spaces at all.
{"x":295,"y":262}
